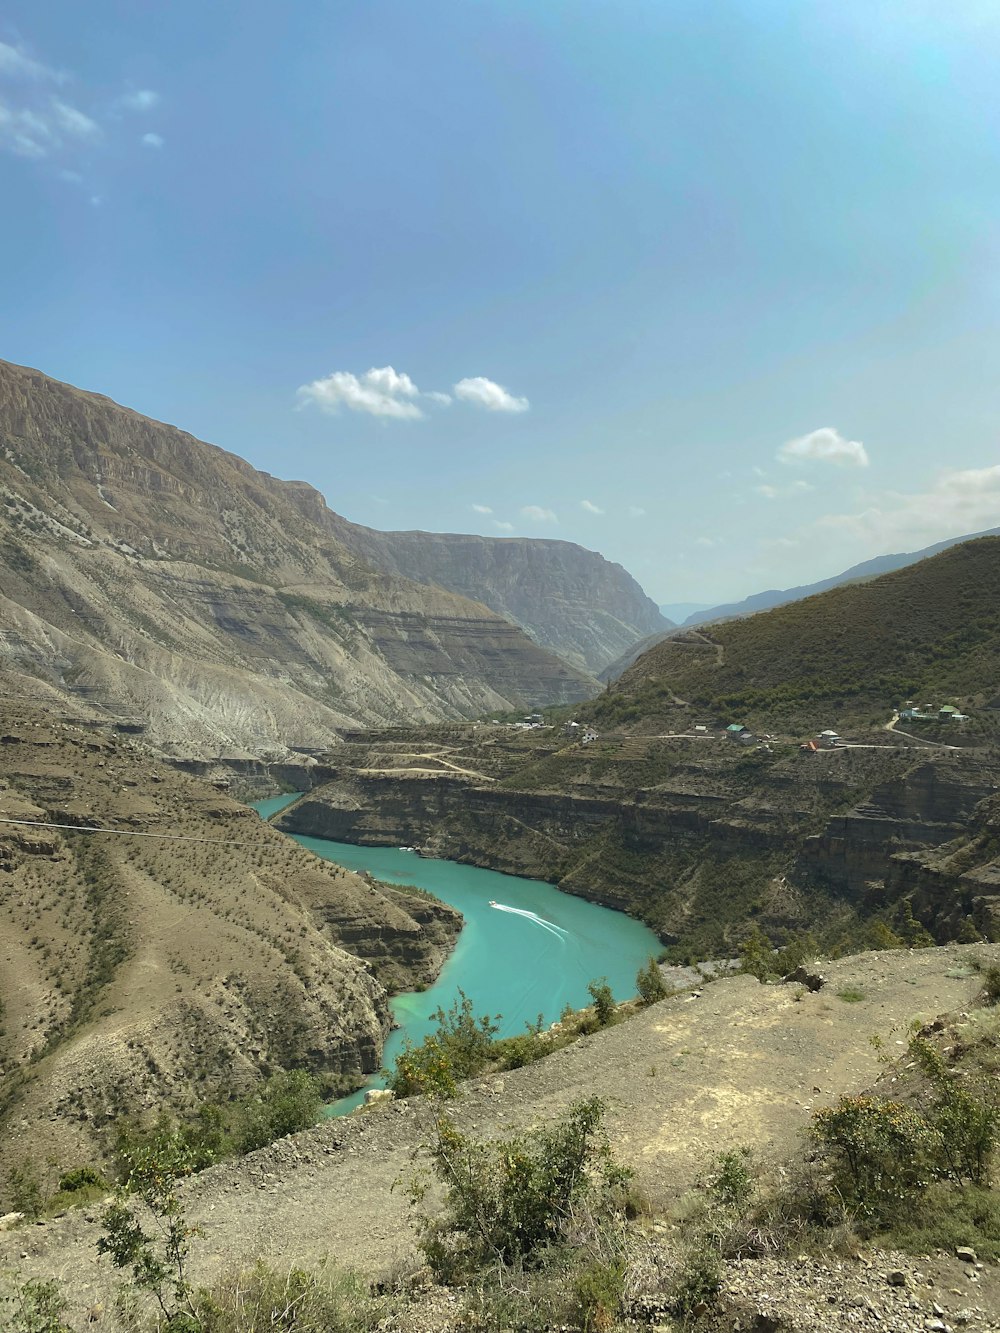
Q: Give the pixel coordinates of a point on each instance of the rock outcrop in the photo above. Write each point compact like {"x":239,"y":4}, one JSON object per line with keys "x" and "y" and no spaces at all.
{"x":171,"y":585}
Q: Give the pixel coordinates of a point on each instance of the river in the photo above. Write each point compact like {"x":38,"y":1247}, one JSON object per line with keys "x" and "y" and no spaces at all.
{"x":531,"y":954}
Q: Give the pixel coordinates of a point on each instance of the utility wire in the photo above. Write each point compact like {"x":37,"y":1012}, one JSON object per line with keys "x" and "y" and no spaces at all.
{"x":136,"y":833}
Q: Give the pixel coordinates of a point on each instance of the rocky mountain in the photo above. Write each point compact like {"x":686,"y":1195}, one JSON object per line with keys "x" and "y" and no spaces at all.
{"x":868,"y":569}
{"x":179,"y":964}
{"x":171,"y":585}
{"x":570,"y":600}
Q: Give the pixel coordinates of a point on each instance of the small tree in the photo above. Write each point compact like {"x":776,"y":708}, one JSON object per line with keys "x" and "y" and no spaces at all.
{"x":157,"y":1259}
{"x":649,"y":983}
{"x":604,"y":1001}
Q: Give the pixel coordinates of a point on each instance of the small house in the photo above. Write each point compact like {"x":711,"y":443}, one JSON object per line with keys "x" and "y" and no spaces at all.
{"x":828,"y":740}
{"x":735,"y":730}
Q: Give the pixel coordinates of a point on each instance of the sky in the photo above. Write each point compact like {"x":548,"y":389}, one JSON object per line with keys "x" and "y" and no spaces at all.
{"x":713,"y":289}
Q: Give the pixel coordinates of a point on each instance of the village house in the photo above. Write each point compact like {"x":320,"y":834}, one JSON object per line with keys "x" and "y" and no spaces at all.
{"x":736,"y":731}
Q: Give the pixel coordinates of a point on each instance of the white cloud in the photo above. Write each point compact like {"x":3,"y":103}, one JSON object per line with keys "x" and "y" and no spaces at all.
{"x":482,"y":509}
{"x":379,"y":392}
{"x":503,"y":527}
{"x":825,"y":445}
{"x":770,"y":492}
{"x":636,"y":511}
{"x":590,"y":507}
{"x":443,"y":398}
{"x":957,"y":503}
{"x":72,"y":121}
{"x":709,"y":541}
{"x":485,"y":393}
{"x":538,"y":515}
{"x":33,"y":122}
{"x":17,"y":64}
{"x":152,"y":140}
{"x":143,"y":99}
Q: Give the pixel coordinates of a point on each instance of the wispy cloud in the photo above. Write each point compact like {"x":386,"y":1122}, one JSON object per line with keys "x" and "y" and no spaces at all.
{"x":486,"y":393}
{"x":142,"y":99}
{"x":152,"y":140}
{"x":825,"y":445}
{"x":38,"y":123}
{"x":770,"y":492}
{"x":435,"y":396}
{"x":502,"y":526}
{"x":15,"y":63}
{"x":482,"y":509}
{"x":636,"y":511}
{"x":538,"y":514}
{"x":956,"y":503}
{"x":589,"y":507}
{"x":709,"y":541}
{"x":379,"y":392}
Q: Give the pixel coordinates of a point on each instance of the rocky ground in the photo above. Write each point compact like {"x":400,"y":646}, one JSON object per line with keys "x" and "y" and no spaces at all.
{"x":737,"y":1063}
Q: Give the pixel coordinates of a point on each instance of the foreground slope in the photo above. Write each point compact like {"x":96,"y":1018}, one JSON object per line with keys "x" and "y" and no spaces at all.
{"x":569,"y":599}
{"x":171,"y":582}
{"x":684,"y":1079}
{"x":152,"y":970}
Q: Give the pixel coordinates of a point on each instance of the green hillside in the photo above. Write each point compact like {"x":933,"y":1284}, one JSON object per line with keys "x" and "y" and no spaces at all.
{"x":929,"y":632}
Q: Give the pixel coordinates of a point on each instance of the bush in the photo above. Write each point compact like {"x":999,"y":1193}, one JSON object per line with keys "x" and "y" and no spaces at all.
{"x":649,"y":983}
{"x":33,"y":1307}
{"x":289,"y":1101}
{"x":461,"y":1047}
{"x":604,"y":1002}
{"x":699,"y":1280}
{"x":81,"y":1178}
{"x":991,"y":984}
{"x":882,"y":1152}
{"x":730,"y":1180}
{"x":506,"y":1202}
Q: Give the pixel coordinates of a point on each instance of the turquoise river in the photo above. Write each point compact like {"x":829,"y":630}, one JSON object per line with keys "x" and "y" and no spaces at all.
{"x":531,"y":954}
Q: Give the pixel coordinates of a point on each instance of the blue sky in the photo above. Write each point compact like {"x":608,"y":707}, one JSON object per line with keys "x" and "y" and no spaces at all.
{"x":711,"y":288}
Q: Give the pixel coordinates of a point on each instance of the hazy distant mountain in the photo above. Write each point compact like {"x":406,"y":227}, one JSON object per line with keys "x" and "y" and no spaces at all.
{"x":570,"y":600}
{"x":678,"y":612}
{"x":868,"y":569}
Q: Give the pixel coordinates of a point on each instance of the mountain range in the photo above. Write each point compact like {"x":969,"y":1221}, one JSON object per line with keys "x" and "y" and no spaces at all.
{"x":167,"y":583}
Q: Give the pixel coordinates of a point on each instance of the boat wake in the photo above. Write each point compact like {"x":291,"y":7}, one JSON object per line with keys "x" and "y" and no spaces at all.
{"x":550,"y":926}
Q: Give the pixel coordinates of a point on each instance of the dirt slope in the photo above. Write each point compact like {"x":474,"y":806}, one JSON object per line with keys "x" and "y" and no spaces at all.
{"x":141,"y":970}
{"x":742,"y":1063}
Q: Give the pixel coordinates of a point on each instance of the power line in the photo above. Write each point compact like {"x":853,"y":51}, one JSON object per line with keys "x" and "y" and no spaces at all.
{"x":137,"y":833}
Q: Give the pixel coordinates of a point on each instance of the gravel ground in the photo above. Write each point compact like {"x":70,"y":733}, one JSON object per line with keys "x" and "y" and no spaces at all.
{"x":738,"y":1063}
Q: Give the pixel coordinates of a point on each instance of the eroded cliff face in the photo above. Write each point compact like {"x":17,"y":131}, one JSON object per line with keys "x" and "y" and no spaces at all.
{"x":166,"y":581}
{"x":697,"y":838}
{"x":149,"y":971}
{"x":569,"y":599}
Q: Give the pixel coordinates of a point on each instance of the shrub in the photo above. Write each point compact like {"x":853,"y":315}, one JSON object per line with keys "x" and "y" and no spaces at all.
{"x":649,"y":983}
{"x":81,"y":1178}
{"x":730,"y":1180}
{"x":287,"y":1102}
{"x":604,"y":1002}
{"x":460,"y":1048}
{"x":698,"y":1281}
{"x":506,"y":1202}
{"x":882,"y":1153}
{"x":991,"y":984}
{"x":33,"y":1307}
